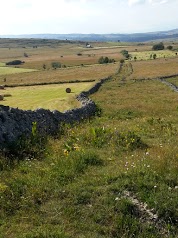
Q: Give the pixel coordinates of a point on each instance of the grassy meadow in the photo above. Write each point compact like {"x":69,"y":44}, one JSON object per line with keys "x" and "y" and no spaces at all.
{"x":154,"y":68}
{"x":52,"y":97}
{"x":10,"y":70}
{"x":113,"y":175}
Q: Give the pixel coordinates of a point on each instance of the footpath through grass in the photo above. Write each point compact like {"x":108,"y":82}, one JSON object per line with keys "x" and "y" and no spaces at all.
{"x":83,"y":183}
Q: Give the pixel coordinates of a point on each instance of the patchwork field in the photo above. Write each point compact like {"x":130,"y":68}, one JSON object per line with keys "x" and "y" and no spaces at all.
{"x":92,"y":72}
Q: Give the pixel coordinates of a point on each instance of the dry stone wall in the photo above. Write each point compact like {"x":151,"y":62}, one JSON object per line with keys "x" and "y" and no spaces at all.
{"x":15,"y":122}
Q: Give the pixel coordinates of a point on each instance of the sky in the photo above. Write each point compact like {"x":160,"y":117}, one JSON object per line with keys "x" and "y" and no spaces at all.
{"x":87,"y":16}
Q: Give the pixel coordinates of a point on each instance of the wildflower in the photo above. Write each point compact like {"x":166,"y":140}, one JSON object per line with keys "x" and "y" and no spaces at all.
{"x":176,"y":187}
{"x":116,"y":199}
{"x":148,"y":166}
{"x":155,"y":186}
{"x":147,"y":153}
{"x":76,"y":147}
{"x":66,"y":152}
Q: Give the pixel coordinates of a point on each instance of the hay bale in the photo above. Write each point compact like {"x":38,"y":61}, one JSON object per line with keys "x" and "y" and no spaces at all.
{"x":68,"y":90}
{"x":1,"y":97}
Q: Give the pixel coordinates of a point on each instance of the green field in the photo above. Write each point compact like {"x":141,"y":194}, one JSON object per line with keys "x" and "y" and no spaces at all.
{"x":52,"y":97}
{"x":11,"y":70}
{"x":2,"y":64}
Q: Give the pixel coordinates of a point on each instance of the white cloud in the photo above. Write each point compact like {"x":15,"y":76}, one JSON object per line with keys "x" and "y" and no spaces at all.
{"x":135,"y":2}
{"x":151,"y":2}
{"x":156,"y":2}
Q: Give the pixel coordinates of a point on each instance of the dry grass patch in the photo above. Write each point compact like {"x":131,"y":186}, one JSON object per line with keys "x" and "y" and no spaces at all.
{"x":145,"y":55}
{"x":94,"y":72}
{"x":154,"y":68}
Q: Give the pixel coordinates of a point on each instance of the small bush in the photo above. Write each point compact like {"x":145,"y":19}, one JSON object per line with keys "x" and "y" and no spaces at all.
{"x":158,"y":46}
{"x":15,"y":62}
{"x":105,"y":60}
{"x":169,"y":47}
{"x":56,"y":65}
{"x":125,"y":53}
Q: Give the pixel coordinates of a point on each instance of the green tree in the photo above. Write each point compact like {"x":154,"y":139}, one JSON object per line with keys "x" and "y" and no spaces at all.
{"x":159,"y":46}
{"x":125,"y":54}
{"x":105,"y":60}
{"x":154,"y":56}
{"x":169,"y":47}
{"x":101,"y":60}
{"x":122,"y":61}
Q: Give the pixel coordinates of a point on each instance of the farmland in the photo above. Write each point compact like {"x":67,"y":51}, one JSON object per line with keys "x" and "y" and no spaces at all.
{"x":52,"y":97}
{"x":9,"y":70}
{"x":113,"y":175}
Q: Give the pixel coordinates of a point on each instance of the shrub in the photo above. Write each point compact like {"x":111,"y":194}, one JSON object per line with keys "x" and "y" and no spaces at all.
{"x":56,"y":65}
{"x":154,"y":56}
{"x":25,"y":55}
{"x":125,"y":54}
{"x":105,"y":60}
{"x":158,"y":46}
{"x":15,"y":62}
{"x":169,"y":47}
{"x":122,"y":61}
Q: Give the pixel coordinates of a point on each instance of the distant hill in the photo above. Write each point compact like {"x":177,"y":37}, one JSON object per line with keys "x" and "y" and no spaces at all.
{"x":134,"y":37}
